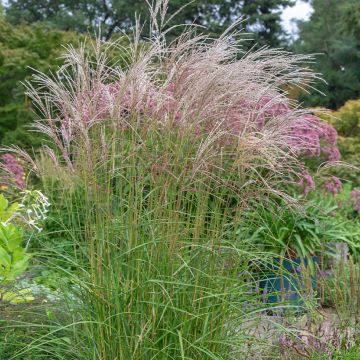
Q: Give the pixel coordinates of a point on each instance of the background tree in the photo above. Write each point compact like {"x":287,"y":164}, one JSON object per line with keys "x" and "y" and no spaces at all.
{"x":263,"y":18}
{"x":22,"y":49}
{"x":2,"y":11}
{"x":110,"y":15}
{"x":352,"y":19}
{"x":330,"y":31}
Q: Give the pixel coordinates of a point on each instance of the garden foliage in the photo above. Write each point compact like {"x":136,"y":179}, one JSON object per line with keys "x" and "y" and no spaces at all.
{"x":13,"y":257}
{"x":332,"y":32}
{"x":22,"y":49}
{"x":154,"y":162}
{"x":261,"y":17}
{"x":346,"y":120}
{"x":160,"y":162}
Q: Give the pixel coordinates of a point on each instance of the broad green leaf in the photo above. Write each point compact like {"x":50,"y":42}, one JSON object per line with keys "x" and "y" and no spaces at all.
{"x":3,"y":203}
{"x":15,"y":238}
{"x":5,"y":262}
{"x":18,"y":297}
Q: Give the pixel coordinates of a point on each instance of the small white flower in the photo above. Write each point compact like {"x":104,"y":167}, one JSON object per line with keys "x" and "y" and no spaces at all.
{"x":35,"y":205}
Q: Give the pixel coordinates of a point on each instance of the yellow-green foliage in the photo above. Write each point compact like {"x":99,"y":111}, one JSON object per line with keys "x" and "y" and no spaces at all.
{"x":327,"y":115}
{"x":348,"y":119}
{"x":13,"y":257}
{"x":350,"y":149}
{"x":348,"y":126}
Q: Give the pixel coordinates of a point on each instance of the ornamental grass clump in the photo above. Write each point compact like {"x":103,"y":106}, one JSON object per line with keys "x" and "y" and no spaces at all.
{"x":153,"y":161}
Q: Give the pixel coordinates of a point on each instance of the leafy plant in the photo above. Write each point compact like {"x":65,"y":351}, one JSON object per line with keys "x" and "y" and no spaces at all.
{"x":13,"y":257}
{"x":302,"y":231}
{"x":348,"y":119}
{"x":341,"y":289}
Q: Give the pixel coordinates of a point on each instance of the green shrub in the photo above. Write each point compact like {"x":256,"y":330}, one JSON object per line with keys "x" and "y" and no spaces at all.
{"x":13,"y":257}
{"x":299,"y":230}
{"x":348,"y":119}
{"x":23,"y":49}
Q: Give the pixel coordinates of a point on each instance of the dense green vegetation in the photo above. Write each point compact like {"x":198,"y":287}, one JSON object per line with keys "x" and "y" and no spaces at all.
{"x":333,"y":33}
{"x":263,"y":16}
{"x":178,"y":200}
{"x":24,"y":50}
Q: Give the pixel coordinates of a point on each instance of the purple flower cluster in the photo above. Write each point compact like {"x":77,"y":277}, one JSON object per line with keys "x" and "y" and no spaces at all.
{"x":355,"y":199}
{"x":306,"y":182}
{"x":309,"y":136}
{"x":314,"y":138}
{"x":15,"y":172}
{"x":333,"y":185}
{"x":115,"y":99}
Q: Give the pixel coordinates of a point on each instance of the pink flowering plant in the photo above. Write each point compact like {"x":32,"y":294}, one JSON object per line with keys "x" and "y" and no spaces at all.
{"x":333,"y":185}
{"x":355,"y":199}
{"x":319,"y":141}
{"x":13,"y":173}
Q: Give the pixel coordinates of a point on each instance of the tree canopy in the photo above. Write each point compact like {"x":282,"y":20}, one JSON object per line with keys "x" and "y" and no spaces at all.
{"x":263,"y":16}
{"x":333,"y":32}
{"x":23,"y":49}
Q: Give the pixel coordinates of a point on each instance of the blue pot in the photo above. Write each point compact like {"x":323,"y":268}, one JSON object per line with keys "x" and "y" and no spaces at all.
{"x":283,"y":280}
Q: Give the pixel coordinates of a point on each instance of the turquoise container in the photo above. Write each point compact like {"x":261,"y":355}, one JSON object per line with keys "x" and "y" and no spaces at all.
{"x":285,"y":280}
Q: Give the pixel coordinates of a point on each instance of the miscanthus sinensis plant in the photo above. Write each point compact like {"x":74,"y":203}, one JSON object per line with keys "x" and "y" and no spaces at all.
{"x":153,"y":160}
